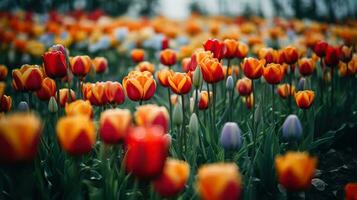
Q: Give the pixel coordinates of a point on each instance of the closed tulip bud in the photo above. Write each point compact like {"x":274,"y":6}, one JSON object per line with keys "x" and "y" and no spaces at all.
{"x":269,"y":54}
{"x":212,"y":70}
{"x":47,"y":90}
{"x":351,"y":191}
{"x":193,"y":125}
{"x":55,"y":64}
{"x":302,"y":84}
{"x":332,"y":56}
{"x":139,"y":85}
{"x":306,"y":66}
{"x":76,"y":134}
{"x":23,"y":106}
{"x":168,"y":57}
{"x":177,"y":117}
{"x":284,"y":91}
{"x":137,"y":55}
{"x":249,"y":101}
{"x":5,"y":103}
{"x":147,"y":144}
{"x":114,"y":125}
{"x":203,"y":101}
{"x":100,"y":64}
{"x":231,"y":138}
{"x":192,"y":104}
{"x":242,"y":50}
{"x":244,"y":86}
{"x":197,"y":78}
{"x":216,"y":47}
{"x":27,"y":78}
{"x":151,"y":114}
{"x":174,"y":99}
{"x":163,"y":77}
{"x":345,"y":53}
{"x":79,"y":107}
{"x":291,"y":55}
{"x":180,"y":83}
{"x":80,"y":65}
{"x":295,"y":170}
{"x":19,"y":136}
{"x":146,"y":66}
{"x":52,"y":105}
{"x":273,"y":73}
{"x":219,"y":181}
{"x":292,"y":129}
{"x":229,"y":83}
{"x":173,"y":178}
{"x":320,"y":49}
{"x":253,"y":68}
{"x":3,"y":72}
{"x":113,"y":92}
{"x":304,"y":99}
{"x":231,"y":46}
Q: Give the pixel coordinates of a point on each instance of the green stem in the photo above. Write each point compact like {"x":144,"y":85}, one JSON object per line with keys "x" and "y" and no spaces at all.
{"x":183,"y":135}
{"x":273,"y":105}
{"x":135,"y":188}
{"x":30,"y":99}
{"x":58,"y":82}
{"x":214,"y":109}
{"x":290,"y":88}
{"x":170,"y":107}
{"x":253,"y":119}
{"x":332,"y":85}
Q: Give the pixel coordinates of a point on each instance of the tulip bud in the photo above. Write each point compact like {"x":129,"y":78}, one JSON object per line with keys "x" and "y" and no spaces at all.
{"x":302,"y":84}
{"x":229,"y":83}
{"x":292,"y":129}
{"x":193,"y":125}
{"x":23,"y":106}
{"x":192,"y":104}
{"x":52,"y":105}
{"x":197,"y":78}
{"x":177,"y":117}
{"x":231,"y":136}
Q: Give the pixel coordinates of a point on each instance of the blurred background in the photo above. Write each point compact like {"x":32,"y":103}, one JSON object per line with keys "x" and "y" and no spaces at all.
{"x":321,"y":10}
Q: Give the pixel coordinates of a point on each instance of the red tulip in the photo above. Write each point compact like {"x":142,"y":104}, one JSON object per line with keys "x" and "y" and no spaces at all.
{"x":332,"y":56}
{"x":55,"y":64}
{"x":216,"y":47}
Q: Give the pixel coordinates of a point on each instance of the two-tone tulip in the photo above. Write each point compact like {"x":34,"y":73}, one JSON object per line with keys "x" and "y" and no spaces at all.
{"x":231,"y":48}
{"x":273,"y":73}
{"x":284,"y":90}
{"x":216,"y":47}
{"x":180,"y":83}
{"x":203,"y":101}
{"x":55,"y":64}
{"x":345,"y":54}
{"x":139,"y":86}
{"x":114,"y":125}
{"x":163,"y":77}
{"x":137,"y":55}
{"x":3,"y":72}
{"x":27,"y":78}
{"x":244,"y":86}
{"x":219,"y":181}
{"x":269,"y":54}
{"x":242,"y":50}
{"x":76,"y":134}
{"x":304,"y":99}
{"x":64,"y":96}
{"x":100,"y":64}
{"x":79,"y":107}
{"x":295,"y":170}
{"x":253,"y":68}
{"x":306,"y":66}
{"x":151,"y":114}
{"x":47,"y":90}
{"x":5,"y":103}
{"x":291,"y":55}
{"x":80,"y":65}
{"x":168,"y":57}
{"x":114,"y":92}
{"x":145,"y":66}
{"x":212,"y":70}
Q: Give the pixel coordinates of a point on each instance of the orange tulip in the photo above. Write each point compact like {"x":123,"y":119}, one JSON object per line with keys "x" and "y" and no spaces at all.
{"x":253,"y":68}
{"x":2,"y":88}
{"x":304,"y":99}
{"x":76,"y":134}
{"x":269,"y":54}
{"x":168,"y":57}
{"x":54,"y":63}
{"x":95,"y":93}
{"x":100,"y":64}
{"x":163,"y":77}
{"x":306,"y":66}
{"x":19,"y":136}
{"x":345,"y":54}
{"x":114,"y":92}
{"x":47,"y":90}
{"x":290,"y":55}
{"x":139,"y":85}
{"x":180,"y":83}
{"x":79,"y":107}
{"x":219,"y":181}
{"x":232,"y":70}
{"x":244,"y":86}
{"x":351,"y":191}
{"x":295,"y":170}
{"x":145,"y":66}
{"x":151,"y":114}
{"x":27,"y":78}
{"x":273,"y":73}
{"x":242,"y":50}
{"x":173,"y":178}
{"x":80,"y":65}
{"x":283,"y":91}
{"x":137,"y":55}
{"x":114,"y":125}
{"x":186,"y":64}
{"x":3,"y":72}
{"x":64,"y":96}
{"x":212,"y":70}
{"x":203,"y":102}
{"x":231,"y":48}
{"x":5,"y":103}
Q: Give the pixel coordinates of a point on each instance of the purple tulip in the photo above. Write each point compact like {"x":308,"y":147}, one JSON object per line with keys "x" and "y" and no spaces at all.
{"x":292,"y":129}
{"x":231,"y":138}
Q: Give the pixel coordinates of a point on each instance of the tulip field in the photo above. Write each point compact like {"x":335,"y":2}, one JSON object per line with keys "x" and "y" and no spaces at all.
{"x":215,"y":108}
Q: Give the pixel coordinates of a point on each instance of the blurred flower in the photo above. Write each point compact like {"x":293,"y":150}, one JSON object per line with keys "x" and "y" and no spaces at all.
{"x":151,"y":114}
{"x":137,"y":55}
{"x":114,"y":125}
{"x":5,"y":103}
{"x":197,"y":78}
{"x":273,"y":73}
{"x":177,"y":115}
{"x":180,"y":83}
{"x":291,"y":55}
{"x":345,"y":53}
{"x":212,"y":70}
{"x":242,"y":50}
{"x":269,"y":54}
{"x":229,"y":83}
{"x":185,"y":64}
{"x":244,"y":86}
{"x":52,"y":105}
{"x":163,"y":76}
{"x":304,"y":99}
{"x":216,"y":47}
{"x":146,"y":66}
{"x":231,"y":46}
{"x":173,"y":178}
{"x":249,"y":101}
{"x":139,"y":85}
{"x":295,"y":170}
{"x":80,"y":65}
{"x":349,"y":69}
{"x":253,"y":68}
{"x":292,"y":129}
{"x":332,"y":56}
{"x":23,"y":106}
{"x":203,"y":101}
{"x":231,"y":138}
{"x":47,"y":90}
{"x":19,"y":136}
{"x":284,"y":90}
{"x":351,"y":191}
{"x":168,"y":57}
{"x":35,"y":48}
{"x":146,"y":145}
{"x":2,"y":88}
{"x":64,"y":96}
{"x":306,"y":66}
{"x":27,"y":78}
{"x":3,"y":72}
{"x":100,"y":64}
{"x":76,"y":134}
{"x":320,"y":48}
{"x":219,"y":181}
{"x":54,"y":63}
{"x":79,"y":107}
{"x":113,"y":92}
